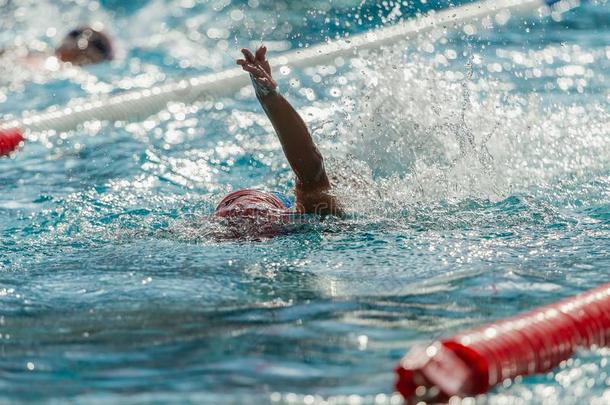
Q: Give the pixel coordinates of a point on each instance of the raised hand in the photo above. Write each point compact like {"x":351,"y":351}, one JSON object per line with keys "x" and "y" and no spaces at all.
{"x":312,"y":187}
{"x":260,"y":70}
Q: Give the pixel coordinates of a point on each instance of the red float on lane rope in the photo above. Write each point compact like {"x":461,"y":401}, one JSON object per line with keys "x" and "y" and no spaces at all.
{"x":10,"y":140}
{"x":472,"y":362}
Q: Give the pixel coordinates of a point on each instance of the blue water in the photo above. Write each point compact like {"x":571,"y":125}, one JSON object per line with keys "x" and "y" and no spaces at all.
{"x":476,"y":168}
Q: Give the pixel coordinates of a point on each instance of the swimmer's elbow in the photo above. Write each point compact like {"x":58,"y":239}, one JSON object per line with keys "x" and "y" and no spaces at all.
{"x":313,"y":173}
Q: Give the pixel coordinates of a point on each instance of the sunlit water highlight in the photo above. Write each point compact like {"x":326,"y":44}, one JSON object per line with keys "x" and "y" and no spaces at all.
{"x":476,"y":169}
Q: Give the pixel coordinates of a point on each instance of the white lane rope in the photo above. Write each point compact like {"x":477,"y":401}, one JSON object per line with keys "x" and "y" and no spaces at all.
{"x":138,"y":104}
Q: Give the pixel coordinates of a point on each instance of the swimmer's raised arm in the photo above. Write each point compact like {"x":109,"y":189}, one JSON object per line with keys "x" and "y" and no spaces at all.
{"x":300,"y":150}
{"x":312,"y":185}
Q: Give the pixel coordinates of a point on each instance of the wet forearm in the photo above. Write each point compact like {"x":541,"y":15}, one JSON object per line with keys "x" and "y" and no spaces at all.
{"x":298,"y":145}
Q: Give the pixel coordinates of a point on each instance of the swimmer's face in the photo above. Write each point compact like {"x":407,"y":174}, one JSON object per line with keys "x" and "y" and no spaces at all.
{"x":85,"y":46}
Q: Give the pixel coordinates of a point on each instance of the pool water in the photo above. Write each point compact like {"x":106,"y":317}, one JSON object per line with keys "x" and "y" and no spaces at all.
{"x":476,"y":169}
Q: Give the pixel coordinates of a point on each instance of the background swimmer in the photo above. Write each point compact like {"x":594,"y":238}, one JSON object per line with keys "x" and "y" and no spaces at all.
{"x":82,"y":46}
{"x":312,"y":188}
{"x":85,"y":46}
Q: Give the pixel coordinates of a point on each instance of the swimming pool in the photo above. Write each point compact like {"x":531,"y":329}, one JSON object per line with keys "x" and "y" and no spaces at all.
{"x":114,"y":288}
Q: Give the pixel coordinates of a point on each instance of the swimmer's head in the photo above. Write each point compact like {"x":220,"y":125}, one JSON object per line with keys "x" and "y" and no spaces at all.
{"x":85,"y":46}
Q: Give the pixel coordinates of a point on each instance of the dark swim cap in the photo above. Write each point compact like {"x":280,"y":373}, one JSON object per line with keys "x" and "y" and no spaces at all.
{"x":95,"y":39}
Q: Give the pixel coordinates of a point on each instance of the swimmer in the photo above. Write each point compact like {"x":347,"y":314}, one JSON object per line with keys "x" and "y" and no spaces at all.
{"x":81,"y":46}
{"x":312,"y":188}
{"x":85,"y":46}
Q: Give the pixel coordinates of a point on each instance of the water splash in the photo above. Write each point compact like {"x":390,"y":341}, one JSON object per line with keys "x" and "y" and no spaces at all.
{"x":417,"y":133}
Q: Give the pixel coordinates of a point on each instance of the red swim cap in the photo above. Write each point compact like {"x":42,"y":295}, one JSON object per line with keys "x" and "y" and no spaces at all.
{"x":249,"y":203}
{"x":252,"y":213}
{"x":10,"y":140}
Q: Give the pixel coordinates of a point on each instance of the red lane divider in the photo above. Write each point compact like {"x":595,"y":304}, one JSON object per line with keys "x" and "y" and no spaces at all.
{"x":473,"y":362}
{"x":10,"y":139}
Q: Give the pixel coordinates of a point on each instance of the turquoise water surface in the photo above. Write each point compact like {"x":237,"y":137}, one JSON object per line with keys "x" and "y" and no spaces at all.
{"x":476,"y":169}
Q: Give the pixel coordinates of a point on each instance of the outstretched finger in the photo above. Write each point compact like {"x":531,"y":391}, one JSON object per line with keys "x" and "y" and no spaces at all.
{"x":248,"y":55}
{"x":265,"y":64}
{"x":261,"y":58}
{"x":260,"y":53}
{"x":246,"y":66}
